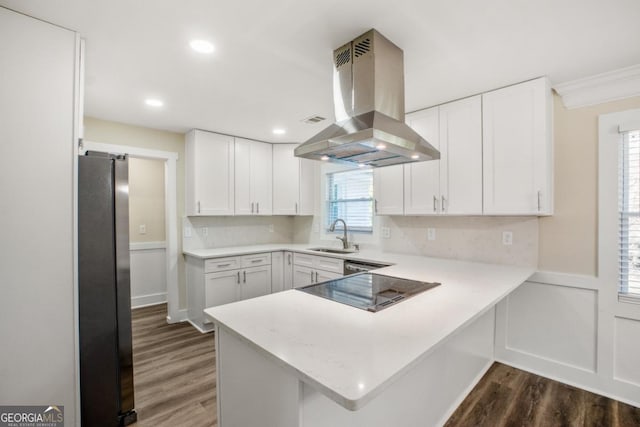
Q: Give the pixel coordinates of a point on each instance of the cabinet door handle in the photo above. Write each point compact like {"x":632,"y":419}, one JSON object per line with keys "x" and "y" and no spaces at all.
{"x":539,"y":204}
{"x":198,"y":206}
{"x":443,"y":207}
{"x":435,"y":200}
{"x":224,"y":265}
{"x":251,"y":207}
{"x":312,"y":277}
{"x":256,"y":260}
{"x":289,"y":258}
{"x":296,"y":207}
{"x":258,"y":207}
{"x":238,"y":277}
{"x":316,"y":277}
{"x":375,"y":202}
{"x":244,"y":277}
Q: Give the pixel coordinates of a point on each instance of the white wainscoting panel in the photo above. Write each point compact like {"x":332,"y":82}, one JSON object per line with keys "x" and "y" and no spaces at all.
{"x":572,"y":329}
{"x":148,"y":274}
{"x":626,"y":366}
{"x":553,"y":322}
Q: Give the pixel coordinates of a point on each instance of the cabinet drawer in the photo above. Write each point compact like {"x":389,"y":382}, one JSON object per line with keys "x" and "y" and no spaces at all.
{"x":319,"y":262}
{"x":335,"y":265}
{"x":303,"y":260}
{"x":256,"y":260}
{"x":221,"y":264}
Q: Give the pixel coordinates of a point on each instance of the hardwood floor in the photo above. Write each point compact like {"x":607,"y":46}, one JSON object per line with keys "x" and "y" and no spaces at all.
{"x":173,"y":371}
{"x":175,"y":385}
{"x":507,"y":396}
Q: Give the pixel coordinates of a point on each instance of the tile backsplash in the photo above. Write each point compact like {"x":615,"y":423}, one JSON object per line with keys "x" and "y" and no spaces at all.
{"x":222,"y":231}
{"x":465,"y":238}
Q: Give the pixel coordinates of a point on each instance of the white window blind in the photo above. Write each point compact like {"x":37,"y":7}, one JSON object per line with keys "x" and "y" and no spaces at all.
{"x":629,"y":215}
{"x":350,"y":197}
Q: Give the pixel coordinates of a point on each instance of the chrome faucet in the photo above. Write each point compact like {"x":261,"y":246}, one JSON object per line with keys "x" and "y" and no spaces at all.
{"x":345,"y":241}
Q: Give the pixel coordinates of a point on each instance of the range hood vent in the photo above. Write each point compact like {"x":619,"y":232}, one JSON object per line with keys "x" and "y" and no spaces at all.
{"x":368,"y":89}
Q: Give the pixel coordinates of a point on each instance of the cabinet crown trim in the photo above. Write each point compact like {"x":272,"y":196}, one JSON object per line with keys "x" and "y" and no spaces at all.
{"x":599,"y":88}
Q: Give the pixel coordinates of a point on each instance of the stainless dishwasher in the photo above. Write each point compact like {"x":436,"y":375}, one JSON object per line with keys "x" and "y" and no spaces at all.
{"x":353,"y":266}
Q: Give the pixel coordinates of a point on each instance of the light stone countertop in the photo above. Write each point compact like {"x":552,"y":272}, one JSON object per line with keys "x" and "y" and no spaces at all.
{"x":351,"y":355}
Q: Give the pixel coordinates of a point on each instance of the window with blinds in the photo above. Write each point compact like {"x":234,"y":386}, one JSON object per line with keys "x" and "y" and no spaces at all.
{"x":629,"y":215}
{"x":350,"y":197}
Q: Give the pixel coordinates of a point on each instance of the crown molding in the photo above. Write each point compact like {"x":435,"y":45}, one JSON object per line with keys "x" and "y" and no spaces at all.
{"x":605,"y":87}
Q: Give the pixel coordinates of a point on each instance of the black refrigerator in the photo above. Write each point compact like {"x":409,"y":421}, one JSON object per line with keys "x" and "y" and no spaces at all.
{"x":104,"y":295}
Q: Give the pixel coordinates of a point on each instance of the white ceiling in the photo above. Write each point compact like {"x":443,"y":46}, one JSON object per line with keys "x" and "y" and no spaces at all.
{"x":272,"y":65}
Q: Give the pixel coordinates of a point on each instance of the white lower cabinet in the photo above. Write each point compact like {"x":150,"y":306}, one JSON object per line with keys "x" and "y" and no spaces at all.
{"x":302,"y":276}
{"x":309,"y":269}
{"x":218,"y":281}
{"x":256,"y":281}
{"x":221,"y":288}
{"x":287,"y":271}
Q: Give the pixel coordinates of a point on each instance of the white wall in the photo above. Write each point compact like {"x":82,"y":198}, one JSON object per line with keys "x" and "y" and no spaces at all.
{"x":37,"y":180}
{"x":148,"y":273}
{"x":146,"y":200}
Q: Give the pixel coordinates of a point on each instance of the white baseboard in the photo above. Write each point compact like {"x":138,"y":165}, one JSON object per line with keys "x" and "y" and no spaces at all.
{"x":147,"y":300}
{"x":202,"y":331}
{"x":180,"y":317}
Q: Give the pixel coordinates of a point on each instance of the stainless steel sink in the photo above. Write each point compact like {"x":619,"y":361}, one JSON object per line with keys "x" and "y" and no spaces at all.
{"x":333,"y":251}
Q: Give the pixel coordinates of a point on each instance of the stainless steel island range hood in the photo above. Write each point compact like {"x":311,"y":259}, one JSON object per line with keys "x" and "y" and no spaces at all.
{"x":368,"y":91}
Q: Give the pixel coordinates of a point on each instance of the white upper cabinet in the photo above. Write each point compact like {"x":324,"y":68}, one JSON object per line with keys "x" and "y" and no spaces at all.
{"x":461,"y":157}
{"x":517,"y":155}
{"x":422,"y":179}
{"x":253,"y":178}
{"x":388,"y":190}
{"x":453,"y":184}
{"x":209,"y":180}
{"x":293,"y":179}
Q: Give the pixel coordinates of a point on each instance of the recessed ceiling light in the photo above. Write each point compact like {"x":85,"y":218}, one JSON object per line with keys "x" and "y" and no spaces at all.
{"x":201,"y":46}
{"x":153,"y":102}
{"x":279,"y":131}
{"x":415,"y":156}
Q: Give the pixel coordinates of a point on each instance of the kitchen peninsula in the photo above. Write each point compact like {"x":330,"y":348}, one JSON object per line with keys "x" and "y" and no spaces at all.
{"x":291,"y":359}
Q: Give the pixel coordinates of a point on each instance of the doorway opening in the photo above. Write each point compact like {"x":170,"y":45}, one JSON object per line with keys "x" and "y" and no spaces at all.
{"x":169,"y":159}
{"x":147,"y":242}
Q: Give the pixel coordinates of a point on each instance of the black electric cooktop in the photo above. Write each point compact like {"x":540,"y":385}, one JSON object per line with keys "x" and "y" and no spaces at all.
{"x":368,"y":291}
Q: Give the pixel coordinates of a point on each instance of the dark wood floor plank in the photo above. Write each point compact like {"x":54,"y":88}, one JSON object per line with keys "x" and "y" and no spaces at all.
{"x":174,"y":371}
{"x":527,"y":401}
{"x":537,"y":402}
{"x":627,"y":415}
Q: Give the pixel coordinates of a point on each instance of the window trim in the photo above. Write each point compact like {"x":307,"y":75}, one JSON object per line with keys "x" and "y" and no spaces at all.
{"x":609,"y":139}
{"x":327,"y":236}
{"x":327,"y":202}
